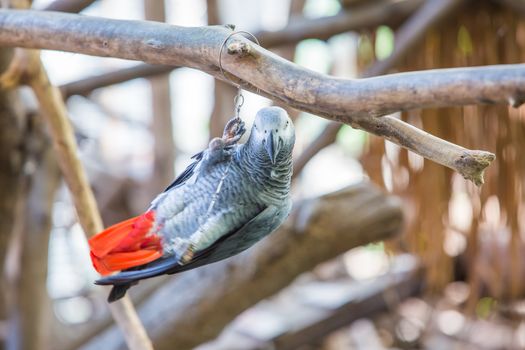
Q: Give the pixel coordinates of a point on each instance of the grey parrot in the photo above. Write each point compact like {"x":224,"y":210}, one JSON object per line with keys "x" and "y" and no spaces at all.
{"x":229,"y":198}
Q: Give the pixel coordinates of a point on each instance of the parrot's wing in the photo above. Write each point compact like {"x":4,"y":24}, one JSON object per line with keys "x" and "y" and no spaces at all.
{"x":233,"y":131}
{"x":187,"y":173}
{"x":220,"y":249}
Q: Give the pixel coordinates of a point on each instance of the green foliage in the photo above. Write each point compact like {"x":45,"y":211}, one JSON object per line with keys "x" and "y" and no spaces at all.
{"x":352,"y":140}
{"x":384,"y":42}
{"x":314,"y":54}
{"x":485,"y":307}
{"x":321,"y":8}
{"x":464,"y":41}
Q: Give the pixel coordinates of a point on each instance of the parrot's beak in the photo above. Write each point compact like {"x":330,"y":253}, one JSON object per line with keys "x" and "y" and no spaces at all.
{"x":273,"y":146}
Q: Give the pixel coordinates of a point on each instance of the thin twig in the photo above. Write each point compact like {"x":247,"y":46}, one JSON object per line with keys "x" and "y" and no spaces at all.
{"x":85,"y":86}
{"x":30,"y":70}
{"x":406,"y":37}
{"x":469,"y":163}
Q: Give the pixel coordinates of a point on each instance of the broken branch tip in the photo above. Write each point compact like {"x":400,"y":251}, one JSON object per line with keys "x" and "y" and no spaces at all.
{"x":472,"y":164}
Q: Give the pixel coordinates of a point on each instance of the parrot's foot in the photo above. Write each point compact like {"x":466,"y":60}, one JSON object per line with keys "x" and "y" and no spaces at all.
{"x":233,"y":131}
{"x":182,"y":249}
{"x":188,"y":254}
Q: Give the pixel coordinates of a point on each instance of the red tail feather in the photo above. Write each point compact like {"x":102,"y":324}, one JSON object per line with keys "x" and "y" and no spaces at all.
{"x":126,"y":244}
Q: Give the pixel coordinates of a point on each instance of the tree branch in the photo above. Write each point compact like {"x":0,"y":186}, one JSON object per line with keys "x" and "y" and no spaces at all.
{"x":27,"y":68}
{"x":208,"y":298}
{"x":320,"y":28}
{"x":469,"y":163}
{"x":198,"y":48}
{"x":354,"y":102}
{"x":375,"y":299}
{"x":406,"y":38}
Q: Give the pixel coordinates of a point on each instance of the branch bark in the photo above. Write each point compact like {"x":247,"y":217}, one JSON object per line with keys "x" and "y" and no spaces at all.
{"x":406,"y":38}
{"x":358,"y":103}
{"x":210,"y":297}
{"x":27,"y":68}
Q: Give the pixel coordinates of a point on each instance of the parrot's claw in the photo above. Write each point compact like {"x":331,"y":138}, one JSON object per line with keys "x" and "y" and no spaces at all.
{"x":183,"y":250}
{"x":233,"y":131}
{"x":188,"y":254}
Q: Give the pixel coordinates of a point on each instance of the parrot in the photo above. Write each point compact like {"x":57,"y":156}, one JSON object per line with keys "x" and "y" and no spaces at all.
{"x":231,"y":196}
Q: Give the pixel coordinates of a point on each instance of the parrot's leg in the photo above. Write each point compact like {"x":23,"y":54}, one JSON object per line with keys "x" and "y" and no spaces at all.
{"x":188,"y":255}
{"x":219,"y":148}
{"x":233,"y":131}
{"x":184,"y":249}
{"x":179,"y":248}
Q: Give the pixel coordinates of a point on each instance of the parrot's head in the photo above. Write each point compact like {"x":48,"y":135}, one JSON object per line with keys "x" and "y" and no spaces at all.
{"x":273,"y":134}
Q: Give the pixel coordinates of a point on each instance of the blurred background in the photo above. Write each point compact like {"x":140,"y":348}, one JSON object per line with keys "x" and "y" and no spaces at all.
{"x":454,"y":278}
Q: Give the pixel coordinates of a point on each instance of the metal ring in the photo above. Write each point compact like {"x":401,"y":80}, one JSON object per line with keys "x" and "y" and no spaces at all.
{"x":237,"y":98}
{"x":222,"y":47}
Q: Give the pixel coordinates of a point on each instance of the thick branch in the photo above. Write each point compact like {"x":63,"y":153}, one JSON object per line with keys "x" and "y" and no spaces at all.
{"x":354,"y":102}
{"x":406,"y":38}
{"x":29,"y":69}
{"x":198,"y":48}
{"x":210,"y":297}
{"x":399,"y":285}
